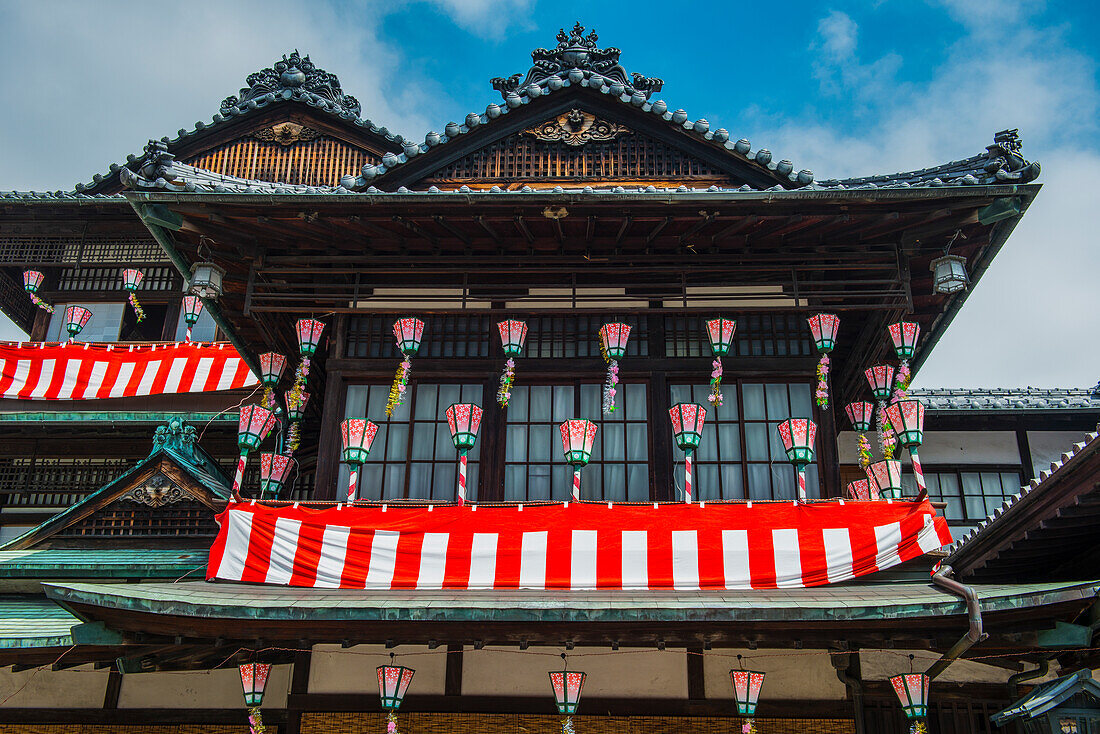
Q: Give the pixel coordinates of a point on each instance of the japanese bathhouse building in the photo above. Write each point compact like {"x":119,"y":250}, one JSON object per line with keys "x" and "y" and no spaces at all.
{"x":156,"y":537}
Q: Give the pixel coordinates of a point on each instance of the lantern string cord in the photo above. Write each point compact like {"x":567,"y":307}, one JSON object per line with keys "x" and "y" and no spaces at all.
{"x":37,"y":670}
{"x":244,"y":400}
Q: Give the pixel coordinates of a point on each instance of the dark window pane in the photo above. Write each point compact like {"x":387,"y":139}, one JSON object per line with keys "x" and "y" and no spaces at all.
{"x":753,"y":396}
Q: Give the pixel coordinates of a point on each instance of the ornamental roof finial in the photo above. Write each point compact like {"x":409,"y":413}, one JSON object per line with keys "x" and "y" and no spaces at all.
{"x":575,"y":50}
{"x":293,"y":77}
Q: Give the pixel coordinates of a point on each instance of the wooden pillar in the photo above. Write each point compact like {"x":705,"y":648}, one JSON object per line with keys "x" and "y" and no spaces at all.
{"x":114,"y":687}
{"x":490,"y":487}
{"x":828,"y":465}
{"x":299,"y":685}
{"x":452,"y":685}
{"x":1024,"y":447}
{"x":41,"y":326}
{"x":696,"y":681}
{"x":332,"y":412}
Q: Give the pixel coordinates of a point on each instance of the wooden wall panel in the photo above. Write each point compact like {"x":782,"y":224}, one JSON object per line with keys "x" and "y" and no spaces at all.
{"x":318,"y":162}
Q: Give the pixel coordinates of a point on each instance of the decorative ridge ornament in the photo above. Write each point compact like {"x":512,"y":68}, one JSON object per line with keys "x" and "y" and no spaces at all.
{"x":131,"y":279}
{"x":575,"y":50}
{"x":577,"y":440}
{"x":32,"y":281}
{"x":192,"y":308}
{"x":824,"y":328}
{"x":464,"y":420}
{"x":513,"y":335}
{"x":576,"y":128}
{"x":720,"y":334}
{"x":613,"y":338}
{"x":798,"y":436}
{"x":356,"y":436}
{"x":687,"y":428}
{"x":293,"y":75}
{"x":408,"y":332}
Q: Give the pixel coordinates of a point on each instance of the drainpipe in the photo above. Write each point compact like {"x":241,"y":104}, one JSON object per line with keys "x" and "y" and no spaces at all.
{"x":854,"y":685}
{"x":974,"y":635}
{"x":1016,"y":679}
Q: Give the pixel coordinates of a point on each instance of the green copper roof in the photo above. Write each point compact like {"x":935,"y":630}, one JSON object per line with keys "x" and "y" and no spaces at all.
{"x":117,"y":416}
{"x":825,"y":603}
{"x":33,"y":621}
{"x":96,"y":563}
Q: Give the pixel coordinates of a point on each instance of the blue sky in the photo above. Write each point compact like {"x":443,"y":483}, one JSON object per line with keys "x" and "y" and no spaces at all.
{"x":842,"y":88}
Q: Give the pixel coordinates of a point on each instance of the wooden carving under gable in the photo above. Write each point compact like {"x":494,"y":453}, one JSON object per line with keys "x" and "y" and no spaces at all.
{"x":156,"y":491}
{"x":577,"y":128}
{"x":286,"y":133}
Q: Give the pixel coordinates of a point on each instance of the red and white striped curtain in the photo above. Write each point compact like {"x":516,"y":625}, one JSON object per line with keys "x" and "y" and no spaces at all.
{"x":574,"y":546}
{"x":85,"y":371}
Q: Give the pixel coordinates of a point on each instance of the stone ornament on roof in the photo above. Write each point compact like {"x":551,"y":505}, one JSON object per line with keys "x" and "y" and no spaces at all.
{"x":577,"y":51}
{"x":295,"y":75}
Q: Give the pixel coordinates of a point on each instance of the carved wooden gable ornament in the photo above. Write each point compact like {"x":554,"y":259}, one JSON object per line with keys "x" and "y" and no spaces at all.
{"x":577,"y":128}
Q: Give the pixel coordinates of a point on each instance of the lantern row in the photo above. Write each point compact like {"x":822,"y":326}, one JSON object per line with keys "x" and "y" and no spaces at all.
{"x":566,"y":685}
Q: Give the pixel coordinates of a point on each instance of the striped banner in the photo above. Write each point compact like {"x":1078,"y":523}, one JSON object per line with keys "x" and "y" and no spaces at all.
{"x":85,"y":371}
{"x":571,"y":546}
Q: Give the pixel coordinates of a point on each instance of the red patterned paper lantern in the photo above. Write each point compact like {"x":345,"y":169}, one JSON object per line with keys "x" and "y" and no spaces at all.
{"x":76,"y":318}
{"x":613,"y":338}
{"x":861,"y":489}
{"x":862,"y":415}
{"x":464,"y":420}
{"x":309,"y":336}
{"x":32,"y":280}
{"x":408,"y":332}
{"x":881,"y":379}
{"x":255,"y":423}
{"x":746,"y":690}
{"x":356,"y":436}
{"x":296,"y":405}
{"x":687,"y":424}
{"x":253,"y":681}
{"x":513,"y":335}
{"x":907,"y":419}
{"x":274,"y":471}
{"x":823,"y":327}
{"x":271,"y":368}
{"x":567,"y":685}
{"x":720,"y":334}
{"x":885,"y":477}
{"x":904,"y":335}
{"x":192,"y":309}
{"x":912,"y":691}
{"x":131,"y":279}
{"x":798,"y":436}
{"x":577,"y":440}
{"x":393,"y":683}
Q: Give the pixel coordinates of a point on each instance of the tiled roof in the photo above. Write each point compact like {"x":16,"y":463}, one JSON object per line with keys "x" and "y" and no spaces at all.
{"x":34,"y":621}
{"x":1009,"y":399}
{"x":100,"y":562}
{"x":1017,"y":502}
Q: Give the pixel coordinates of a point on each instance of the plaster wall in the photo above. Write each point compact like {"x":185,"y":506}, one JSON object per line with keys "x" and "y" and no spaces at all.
{"x":81,"y":687}
{"x":881,"y":664}
{"x":948,"y":447}
{"x":1047,"y":447}
{"x":334,"y":669}
{"x":791,"y":675}
{"x":211,"y":689}
{"x":627,"y":673}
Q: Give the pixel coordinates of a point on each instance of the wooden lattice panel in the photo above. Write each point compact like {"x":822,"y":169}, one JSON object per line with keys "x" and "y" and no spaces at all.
{"x":521,"y":159}
{"x":83,"y":249}
{"x":125,"y":519}
{"x":54,"y":482}
{"x":318,"y":162}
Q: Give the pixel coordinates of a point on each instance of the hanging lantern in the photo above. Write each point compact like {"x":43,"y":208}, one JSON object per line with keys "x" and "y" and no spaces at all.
{"x":32,"y":281}
{"x":76,"y":318}
{"x":907,"y":420}
{"x":862,"y":415}
{"x":567,"y":685}
{"x":513,"y":334}
{"x":912,"y":691}
{"x":271,"y":369}
{"x":860,"y":490}
{"x":948,"y":274}
{"x":613,"y":338}
{"x":463,"y":419}
{"x":192,"y":308}
{"x":393,"y":683}
{"x":885,"y":478}
{"x":798,"y":436}
{"x":274,"y":471}
{"x":881,"y":379}
{"x":131,"y":279}
{"x":253,"y":681}
{"x":720,"y":333}
{"x":687,"y":428}
{"x":904,"y":335}
{"x":356,"y":436}
{"x":255,"y":423}
{"x":577,"y":439}
{"x":296,"y":406}
{"x":206,"y":281}
{"x":407,"y":332}
{"x":824,"y":327}
{"x":746,"y":690}
{"x":309,"y":336}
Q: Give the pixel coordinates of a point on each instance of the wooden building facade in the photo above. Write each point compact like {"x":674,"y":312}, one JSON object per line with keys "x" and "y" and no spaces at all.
{"x":576,"y":199}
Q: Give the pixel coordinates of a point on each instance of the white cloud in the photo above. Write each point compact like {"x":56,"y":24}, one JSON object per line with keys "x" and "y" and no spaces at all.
{"x":839,"y":34}
{"x":487,"y":18}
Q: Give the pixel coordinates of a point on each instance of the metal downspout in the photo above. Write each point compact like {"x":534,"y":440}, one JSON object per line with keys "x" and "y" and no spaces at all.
{"x":856,"y":687}
{"x":1016,"y":679}
{"x":974,"y":635}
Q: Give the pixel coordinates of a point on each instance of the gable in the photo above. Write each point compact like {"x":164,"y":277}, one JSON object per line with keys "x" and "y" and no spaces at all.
{"x":576,"y":147}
